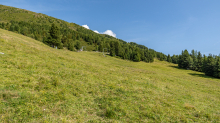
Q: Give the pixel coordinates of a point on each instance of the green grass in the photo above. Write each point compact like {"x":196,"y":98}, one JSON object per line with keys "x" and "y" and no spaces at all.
{"x":8,"y":13}
{"x":42,"y":84}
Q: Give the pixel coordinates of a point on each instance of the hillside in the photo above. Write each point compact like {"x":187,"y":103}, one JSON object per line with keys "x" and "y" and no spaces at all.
{"x":8,"y":13}
{"x":42,"y":84}
{"x":38,"y":26}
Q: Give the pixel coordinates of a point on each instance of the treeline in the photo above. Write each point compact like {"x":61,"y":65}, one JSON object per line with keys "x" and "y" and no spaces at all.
{"x":62,"y":36}
{"x":210,"y":65}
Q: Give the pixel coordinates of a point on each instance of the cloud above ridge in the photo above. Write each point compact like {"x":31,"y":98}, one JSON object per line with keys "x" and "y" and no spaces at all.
{"x":109,"y":32}
{"x":96,"y":31}
{"x":85,"y":26}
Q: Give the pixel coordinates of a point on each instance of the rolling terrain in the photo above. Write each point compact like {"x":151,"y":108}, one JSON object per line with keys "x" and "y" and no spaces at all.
{"x":42,"y":84}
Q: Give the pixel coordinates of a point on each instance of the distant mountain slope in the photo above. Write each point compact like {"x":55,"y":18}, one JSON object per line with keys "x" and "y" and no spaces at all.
{"x":37,"y":26}
{"x":8,"y":14}
{"x":42,"y":84}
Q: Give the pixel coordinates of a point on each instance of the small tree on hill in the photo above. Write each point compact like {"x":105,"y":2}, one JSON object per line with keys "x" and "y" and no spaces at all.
{"x":112,"y":51}
{"x":64,"y":41}
{"x":70,"y":45}
{"x":169,"y":58}
{"x":199,"y":62}
{"x":54,"y":38}
{"x":77,"y":45}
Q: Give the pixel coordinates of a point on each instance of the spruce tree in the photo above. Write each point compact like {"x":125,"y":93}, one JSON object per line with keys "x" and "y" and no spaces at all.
{"x":112,"y":51}
{"x":142,"y":55}
{"x":217,"y":68}
{"x":147,"y":56}
{"x":54,"y":38}
{"x":180,"y":61}
{"x":210,"y":66}
{"x":204,"y":63}
{"x":117,"y":48}
{"x":193,"y":56}
{"x":161,"y":57}
{"x":77,"y":45}
{"x":151,"y":57}
{"x":169,"y":58}
{"x":70,"y":45}
{"x":101,"y":47}
{"x":17,"y":28}
{"x":12,"y":28}
{"x":185,"y":59}
{"x":3,"y":25}
{"x":174,"y":59}
{"x":64,"y":40}
{"x":190,"y":63}
{"x":199,"y":62}
{"x":137,"y":57}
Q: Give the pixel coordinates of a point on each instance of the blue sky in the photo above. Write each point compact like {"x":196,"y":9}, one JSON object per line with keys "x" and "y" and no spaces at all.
{"x":167,"y":26}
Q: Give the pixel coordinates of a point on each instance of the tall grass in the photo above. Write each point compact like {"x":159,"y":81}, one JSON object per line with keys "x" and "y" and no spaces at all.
{"x":42,"y":84}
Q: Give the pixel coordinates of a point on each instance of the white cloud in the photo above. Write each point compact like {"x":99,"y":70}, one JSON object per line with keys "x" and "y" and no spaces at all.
{"x":96,"y":31}
{"x":109,"y":32}
{"x":85,"y":26}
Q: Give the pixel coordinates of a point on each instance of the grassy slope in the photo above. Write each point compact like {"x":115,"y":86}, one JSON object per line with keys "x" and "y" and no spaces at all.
{"x":8,"y":13}
{"x":39,"y":83}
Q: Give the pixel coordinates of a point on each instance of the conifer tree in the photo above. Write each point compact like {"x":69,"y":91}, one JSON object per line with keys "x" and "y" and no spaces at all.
{"x":217,"y":68}
{"x":70,"y":45}
{"x":180,"y":61}
{"x":199,"y":62}
{"x":112,"y":51}
{"x":146,"y":55}
{"x":17,"y":28}
{"x":193,"y":56}
{"x":210,"y":66}
{"x":64,"y":40}
{"x":161,"y":57}
{"x":175,"y":59}
{"x":204,"y":63}
{"x":151,"y":57}
{"x":136,"y":57}
{"x":190,"y":63}
{"x":185,"y":59}
{"x":11,"y":28}
{"x":101,"y":47}
{"x":77,"y":45}
{"x":142,"y":55}
{"x":3,"y":25}
{"x":117,"y":48}
{"x":54,"y":38}
{"x":0,"y":25}
{"x":169,"y":58}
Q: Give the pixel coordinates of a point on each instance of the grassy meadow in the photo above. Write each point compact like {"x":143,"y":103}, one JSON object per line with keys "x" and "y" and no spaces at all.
{"x":42,"y":84}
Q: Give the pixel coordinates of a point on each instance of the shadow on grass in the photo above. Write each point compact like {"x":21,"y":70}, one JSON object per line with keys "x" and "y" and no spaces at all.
{"x":177,"y":67}
{"x":195,"y":74}
{"x":202,"y":75}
